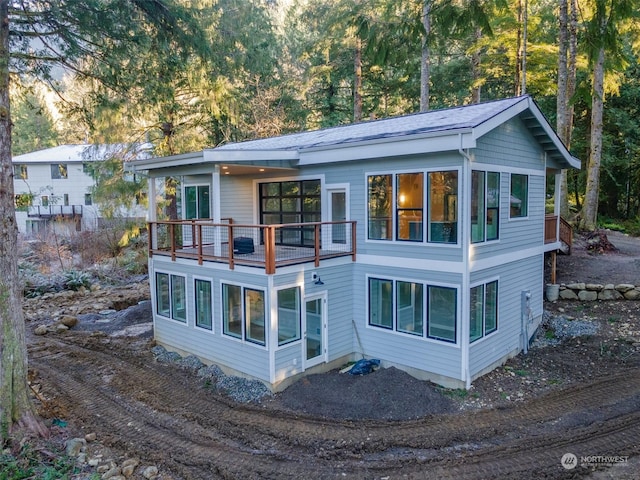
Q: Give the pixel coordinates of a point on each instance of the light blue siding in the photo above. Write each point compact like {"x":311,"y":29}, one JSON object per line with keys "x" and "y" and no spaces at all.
{"x":513,"y":278}
{"x":510,"y":145}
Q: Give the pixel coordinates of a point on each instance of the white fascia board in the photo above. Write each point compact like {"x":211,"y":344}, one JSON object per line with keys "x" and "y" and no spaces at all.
{"x":389,"y":147}
{"x":164,"y":162}
{"x":502,"y":117}
{"x":239,"y":156}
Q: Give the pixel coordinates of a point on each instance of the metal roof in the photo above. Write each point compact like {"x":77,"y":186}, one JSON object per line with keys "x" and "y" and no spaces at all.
{"x":78,"y":153}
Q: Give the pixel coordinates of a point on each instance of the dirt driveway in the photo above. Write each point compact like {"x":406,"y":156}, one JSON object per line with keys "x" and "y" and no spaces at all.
{"x":579,"y":395}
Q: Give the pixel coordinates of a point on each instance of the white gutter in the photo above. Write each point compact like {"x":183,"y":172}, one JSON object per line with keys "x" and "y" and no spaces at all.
{"x":466,"y":242}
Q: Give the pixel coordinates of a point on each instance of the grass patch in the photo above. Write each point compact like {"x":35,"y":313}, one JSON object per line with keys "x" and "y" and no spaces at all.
{"x":30,"y":463}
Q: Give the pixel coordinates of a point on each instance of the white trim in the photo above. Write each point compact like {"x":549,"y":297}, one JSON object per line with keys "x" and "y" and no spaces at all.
{"x":484,"y":282}
{"x":412,"y":263}
{"x":300,"y":286}
{"x":425,"y":297}
{"x":499,"y":260}
{"x":211,"y":331}
{"x":465,"y":221}
{"x":324,"y":356}
{"x":267,"y":307}
{"x":271,"y":342}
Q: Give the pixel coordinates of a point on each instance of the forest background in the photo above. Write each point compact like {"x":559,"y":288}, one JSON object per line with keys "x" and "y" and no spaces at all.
{"x":260,"y":68}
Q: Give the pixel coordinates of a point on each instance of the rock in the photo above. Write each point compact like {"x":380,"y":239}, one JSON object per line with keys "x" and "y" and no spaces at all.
{"x":632,"y":294}
{"x":568,"y":294}
{"x":576,"y":286}
{"x":69,"y":321}
{"x":74,"y":446}
{"x":111,"y":473}
{"x":41,"y":330}
{"x":150,"y":472}
{"x":587,"y":296}
{"x":94,"y":462}
{"x":61,"y":328}
{"x":624,"y":287}
{"x":129,"y":466}
{"x":609,"y":295}
{"x":90,"y":437}
{"x":594,"y":287}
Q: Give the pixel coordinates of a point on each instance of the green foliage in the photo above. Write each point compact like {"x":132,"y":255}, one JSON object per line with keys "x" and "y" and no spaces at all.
{"x":75,"y":280}
{"x":30,"y":464}
{"x":33,"y":124}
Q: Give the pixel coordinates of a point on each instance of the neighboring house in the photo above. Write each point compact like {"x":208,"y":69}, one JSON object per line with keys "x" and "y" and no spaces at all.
{"x":416,"y":240}
{"x":54,"y":185}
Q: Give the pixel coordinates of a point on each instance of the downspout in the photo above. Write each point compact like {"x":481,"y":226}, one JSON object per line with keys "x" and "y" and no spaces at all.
{"x":464,"y":314}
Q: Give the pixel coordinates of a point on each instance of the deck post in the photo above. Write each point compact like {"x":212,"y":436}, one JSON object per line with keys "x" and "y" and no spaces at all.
{"x":152,"y":237}
{"x":269,"y":250}
{"x":199,"y":238}
{"x":316,"y":244}
{"x":353,"y":241}
{"x":230,"y":245}
{"x":172,"y":234}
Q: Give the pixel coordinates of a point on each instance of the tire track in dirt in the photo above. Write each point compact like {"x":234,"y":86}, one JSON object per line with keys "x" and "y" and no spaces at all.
{"x":136,"y":403}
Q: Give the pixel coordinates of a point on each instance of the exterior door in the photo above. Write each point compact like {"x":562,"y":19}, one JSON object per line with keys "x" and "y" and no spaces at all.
{"x":340,"y":235}
{"x":315,"y":334}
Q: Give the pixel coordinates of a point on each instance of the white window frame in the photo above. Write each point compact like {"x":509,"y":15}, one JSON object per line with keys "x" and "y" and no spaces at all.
{"x":171,"y":316}
{"x":484,"y":309}
{"x":195,"y":304}
{"x":243,"y":337}
{"x":299,"y":315}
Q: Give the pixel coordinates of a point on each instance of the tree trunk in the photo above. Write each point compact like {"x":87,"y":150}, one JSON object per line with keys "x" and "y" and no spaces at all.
{"x":475,"y":68}
{"x":15,"y":405}
{"x":357,"y":82}
{"x":590,"y":209}
{"x":425,"y":63}
{"x":562,"y":102}
{"x":516,"y":80}
{"x":525,"y":28}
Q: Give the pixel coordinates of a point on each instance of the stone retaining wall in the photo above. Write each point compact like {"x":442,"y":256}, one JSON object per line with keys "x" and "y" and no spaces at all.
{"x":595,"y":291}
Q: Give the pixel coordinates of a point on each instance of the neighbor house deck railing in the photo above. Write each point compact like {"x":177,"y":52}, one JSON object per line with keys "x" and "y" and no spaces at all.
{"x":55,"y":211}
{"x":265,"y":246}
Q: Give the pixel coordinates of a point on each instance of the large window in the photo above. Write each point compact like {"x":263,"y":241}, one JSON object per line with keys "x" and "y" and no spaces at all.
{"x":409,"y":211}
{"x":196,"y":199}
{"x":243,"y":313}
{"x":441,"y":316}
{"x":58,"y":170}
{"x":484,"y":310}
{"x":20,"y":171}
{"x":291,"y":202}
{"x":204,"y":314}
{"x":288,"y":315}
{"x":443,"y":207}
{"x":171,"y":296}
{"x":404,"y":203}
{"x":519,"y":199}
{"x":400,"y":305}
{"x":485,"y":205}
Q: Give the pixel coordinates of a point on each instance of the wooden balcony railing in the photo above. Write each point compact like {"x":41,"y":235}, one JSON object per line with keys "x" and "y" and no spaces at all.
{"x":551,"y":230}
{"x":265,"y":246}
{"x":63,"y":211}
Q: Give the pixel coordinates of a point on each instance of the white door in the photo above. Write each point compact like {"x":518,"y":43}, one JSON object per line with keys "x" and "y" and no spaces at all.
{"x":339,"y":234}
{"x":315,"y":331}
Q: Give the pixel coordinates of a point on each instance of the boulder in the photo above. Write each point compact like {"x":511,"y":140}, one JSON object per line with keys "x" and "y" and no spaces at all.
{"x":576,"y":286}
{"x":587,"y":296}
{"x":41,"y":330}
{"x":567,"y":294}
{"x":594,"y":287}
{"x":609,"y":295}
{"x":632,"y":294}
{"x":74,"y":446}
{"x":69,"y":321}
{"x":624,"y":287}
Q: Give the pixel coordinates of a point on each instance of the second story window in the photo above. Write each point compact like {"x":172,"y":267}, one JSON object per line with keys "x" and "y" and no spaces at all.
{"x":58,"y":170}
{"x":519,"y":200}
{"x":485,"y":206}
{"x":402,"y":209}
{"x":44,"y":200}
{"x":20,"y":172}
{"x":87,"y":199}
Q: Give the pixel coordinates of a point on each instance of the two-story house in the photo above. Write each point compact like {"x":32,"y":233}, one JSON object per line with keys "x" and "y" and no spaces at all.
{"x":53,"y":187}
{"x":417,"y":240}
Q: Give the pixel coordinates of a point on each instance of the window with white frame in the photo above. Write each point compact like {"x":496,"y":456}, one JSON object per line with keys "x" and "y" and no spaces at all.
{"x":400,"y":305}
{"x":20,"y":171}
{"x":483,"y":313}
{"x":243,"y":313}
{"x":485,"y":205}
{"x":519,"y":200}
{"x":59,"y":170}
{"x":204,"y":315}
{"x":289,"y":316}
{"x":399,"y":199}
{"x":171,"y":296}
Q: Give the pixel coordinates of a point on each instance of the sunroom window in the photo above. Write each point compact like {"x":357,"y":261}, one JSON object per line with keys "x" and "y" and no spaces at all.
{"x":484,"y":310}
{"x":443,"y":207}
{"x":409,"y":201}
{"x":203,"y":304}
{"x":243,"y":313}
{"x":171,"y":296}
{"x":380,"y":205}
{"x":441,"y":317}
{"x":288,"y":315}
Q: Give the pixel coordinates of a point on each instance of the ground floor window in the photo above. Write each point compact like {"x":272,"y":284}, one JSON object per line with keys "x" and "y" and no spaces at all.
{"x":401,"y":306}
{"x":288,"y":315}
{"x":171,"y":296}
{"x":243,"y":313}
{"x":204,"y":315}
{"x":484,"y":310}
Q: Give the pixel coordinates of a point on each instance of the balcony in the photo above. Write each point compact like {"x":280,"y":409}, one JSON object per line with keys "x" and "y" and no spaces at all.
{"x":262,"y":246}
{"x":55,"y":211}
{"x":557,"y":228}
